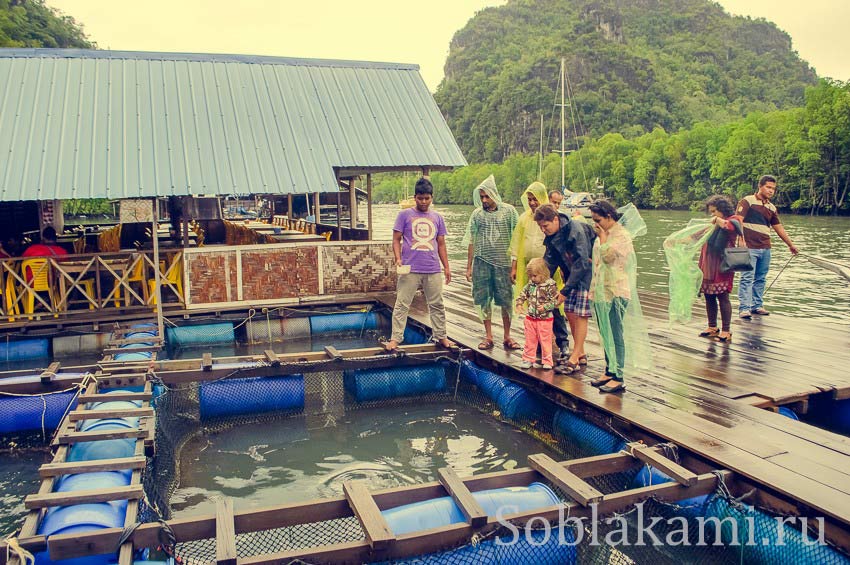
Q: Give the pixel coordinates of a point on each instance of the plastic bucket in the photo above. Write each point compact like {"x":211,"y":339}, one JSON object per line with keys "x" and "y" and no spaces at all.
{"x":379,"y":384}
{"x":233,"y":397}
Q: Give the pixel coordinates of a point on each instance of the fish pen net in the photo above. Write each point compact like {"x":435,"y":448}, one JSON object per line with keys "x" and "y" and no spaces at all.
{"x":328,"y":395}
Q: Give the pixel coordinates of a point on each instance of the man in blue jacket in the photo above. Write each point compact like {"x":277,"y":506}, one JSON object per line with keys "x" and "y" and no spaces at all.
{"x":569,"y":246}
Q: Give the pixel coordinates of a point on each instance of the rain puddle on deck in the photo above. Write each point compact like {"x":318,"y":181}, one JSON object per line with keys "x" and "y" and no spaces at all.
{"x":284,"y":462}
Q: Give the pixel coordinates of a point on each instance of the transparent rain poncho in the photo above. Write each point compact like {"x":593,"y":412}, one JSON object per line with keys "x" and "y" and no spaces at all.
{"x":682,"y":252}
{"x":527,"y":241}
{"x":619,"y":317}
{"x":490,"y":232}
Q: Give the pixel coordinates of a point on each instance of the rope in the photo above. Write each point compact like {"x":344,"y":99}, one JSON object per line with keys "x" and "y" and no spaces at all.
{"x":14,"y":550}
{"x":780,"y":272}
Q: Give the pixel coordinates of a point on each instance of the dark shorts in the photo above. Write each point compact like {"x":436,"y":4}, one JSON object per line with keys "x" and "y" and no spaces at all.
{"x":578,"y":302}
{"x":491,"y":285}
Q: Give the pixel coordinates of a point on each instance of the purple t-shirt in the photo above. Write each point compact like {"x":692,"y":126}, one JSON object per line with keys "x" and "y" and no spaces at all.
{"x":419,"y":234}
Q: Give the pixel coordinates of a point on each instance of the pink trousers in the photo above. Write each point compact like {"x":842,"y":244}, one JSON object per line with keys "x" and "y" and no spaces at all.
{"x":538,"y":331}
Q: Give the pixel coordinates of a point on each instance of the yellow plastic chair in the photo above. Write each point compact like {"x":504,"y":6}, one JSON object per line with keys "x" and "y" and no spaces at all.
{"x":136,"y":276}
{"x":173,"y":278}
{"x":40,"y":270}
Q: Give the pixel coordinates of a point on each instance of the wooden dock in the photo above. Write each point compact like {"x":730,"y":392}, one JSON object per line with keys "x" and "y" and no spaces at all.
{"x":710,"y":397}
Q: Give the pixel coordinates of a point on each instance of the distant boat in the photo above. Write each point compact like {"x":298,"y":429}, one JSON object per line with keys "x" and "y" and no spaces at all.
{"x":575,"y":203}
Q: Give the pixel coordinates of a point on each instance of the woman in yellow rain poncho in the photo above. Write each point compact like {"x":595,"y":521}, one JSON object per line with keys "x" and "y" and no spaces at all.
{"x":527,"y":244}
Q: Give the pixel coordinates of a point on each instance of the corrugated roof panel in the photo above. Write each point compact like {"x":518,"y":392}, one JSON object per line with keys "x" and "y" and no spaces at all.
{"x":83,"y":124}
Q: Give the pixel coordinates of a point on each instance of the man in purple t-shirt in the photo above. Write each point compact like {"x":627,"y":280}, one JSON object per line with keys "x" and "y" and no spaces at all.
{"x":419,"y":242}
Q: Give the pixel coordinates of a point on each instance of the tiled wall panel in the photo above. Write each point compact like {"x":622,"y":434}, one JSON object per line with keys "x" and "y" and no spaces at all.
{"x":359,"y":268}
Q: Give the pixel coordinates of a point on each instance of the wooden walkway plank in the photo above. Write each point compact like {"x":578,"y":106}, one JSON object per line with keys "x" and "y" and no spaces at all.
{"x":570,"y":483}
{"x":78,"y":415}
{"x":225,"y":532}
{"x":86,"y":398}
{"x":377,"y":531}
{"x":48,"y":500}
{"x":72,"y":467}
{"x":472,"y":511}
{"x":81,"y":437}
{"x":49,"y":374}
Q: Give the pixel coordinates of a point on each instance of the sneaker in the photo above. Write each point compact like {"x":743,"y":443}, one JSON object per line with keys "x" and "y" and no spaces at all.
{"x":761,"y":312}
{"x":745,"y":315}
{"x":525,"y":365}
{"x":538,"y":365}
{"x":546,"y":367}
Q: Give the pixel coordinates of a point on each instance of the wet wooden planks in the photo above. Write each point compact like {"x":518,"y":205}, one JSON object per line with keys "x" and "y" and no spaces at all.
{"x":699,"y":393}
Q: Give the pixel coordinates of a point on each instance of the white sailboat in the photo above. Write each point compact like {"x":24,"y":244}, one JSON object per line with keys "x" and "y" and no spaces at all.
{"x":574,"y":203}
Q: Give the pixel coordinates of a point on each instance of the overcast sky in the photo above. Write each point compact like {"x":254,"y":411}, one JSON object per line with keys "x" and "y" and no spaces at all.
{"x":385,"y":30}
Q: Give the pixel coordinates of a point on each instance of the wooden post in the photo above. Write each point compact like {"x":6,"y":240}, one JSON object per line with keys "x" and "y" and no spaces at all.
{"x":426,"y":172}
{"x":157,"y":275}
{"x":225,"y":533}
{"x":338,"y":215}
{"x":369,"y":203}
{"x":288,"y":206}
{"x":317,"y":207}
{"x":352,"y":205}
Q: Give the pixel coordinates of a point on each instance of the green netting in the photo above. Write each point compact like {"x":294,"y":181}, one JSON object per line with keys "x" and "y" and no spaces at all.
{"x":681,"y":249}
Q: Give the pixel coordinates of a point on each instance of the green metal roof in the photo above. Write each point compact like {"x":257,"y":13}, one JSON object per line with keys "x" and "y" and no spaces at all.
{"x":115,"y":124}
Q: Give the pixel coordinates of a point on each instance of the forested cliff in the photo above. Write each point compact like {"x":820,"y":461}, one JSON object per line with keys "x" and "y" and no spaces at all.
{"x":634,"y":65}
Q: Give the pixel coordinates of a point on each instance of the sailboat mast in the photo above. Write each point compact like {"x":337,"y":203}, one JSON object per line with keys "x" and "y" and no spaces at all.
{"x":563,"y":135}
{"x":540,"y":164}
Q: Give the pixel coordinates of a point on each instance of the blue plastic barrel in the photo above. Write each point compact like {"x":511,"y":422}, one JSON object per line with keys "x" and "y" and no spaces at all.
{"x":690,"y":507}
{"x":205,"y":334}
{"x":379,"y":384}
{"x":491,"y":384}
{"x":254,"y":395}
{"x":95,"y":480}
{"x":588,"y":437}
{"x":516,"y":403}
{"x":414,"y":336}
{"x":24,"y":413}
{"x":343,"y":322}
{"x":788,"y":413}
{"x":24,"y":349}
{"x":106,"y":448}
{"x":135,"y":356}
{"x":78,"y":519}
{"x":444,"y":511}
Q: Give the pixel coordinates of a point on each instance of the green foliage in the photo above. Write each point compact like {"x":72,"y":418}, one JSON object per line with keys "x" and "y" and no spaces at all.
{"x":807,"y":149}
{"x":634,"y":66}
{"x":87,"y":206}
{"x":31,"y":23}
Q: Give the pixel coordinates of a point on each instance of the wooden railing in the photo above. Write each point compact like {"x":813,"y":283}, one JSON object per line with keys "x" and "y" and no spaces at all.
{"x":71,"y":285}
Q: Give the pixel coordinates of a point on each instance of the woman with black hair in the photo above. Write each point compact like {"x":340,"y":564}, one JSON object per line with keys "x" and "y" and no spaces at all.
{"x":717,"y":284}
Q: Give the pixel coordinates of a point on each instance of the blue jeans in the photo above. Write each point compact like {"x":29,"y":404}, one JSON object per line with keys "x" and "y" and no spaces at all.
{"x":751,"y":287}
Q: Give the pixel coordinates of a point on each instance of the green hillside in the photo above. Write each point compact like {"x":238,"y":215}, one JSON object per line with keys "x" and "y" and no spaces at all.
{"x":634,"y":65}
{"x":31,"y":23}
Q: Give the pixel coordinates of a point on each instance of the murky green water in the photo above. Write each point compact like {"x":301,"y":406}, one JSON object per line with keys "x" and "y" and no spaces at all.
{"x":388,"y":447}
{"x":802,"y":290}
{"x":19,"y":477}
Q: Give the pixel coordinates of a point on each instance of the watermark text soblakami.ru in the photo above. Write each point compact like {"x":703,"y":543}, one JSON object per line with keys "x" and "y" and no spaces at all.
{"x":677,"y":530}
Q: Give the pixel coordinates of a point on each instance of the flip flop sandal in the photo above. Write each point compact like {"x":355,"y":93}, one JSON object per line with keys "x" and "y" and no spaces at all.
{"x":582,"y":360}
{"x":485,"y":345}
{"x":511,"y":345}
{"x":709,"y":333}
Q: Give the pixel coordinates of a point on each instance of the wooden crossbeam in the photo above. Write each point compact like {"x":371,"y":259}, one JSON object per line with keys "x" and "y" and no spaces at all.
{"x":377,"y":531}
{"x":134,"y":340}
{"x":116,"y":350}
{"x":98,"y":435}
{"x":570,"y":483}
{"x":271,"y":358}
{"x":206,"y":362}
{"x":85,"y":398}
{"x":74,"y":467}
{"x":453,"y":484}
{"x":225,"y":532}
{"x":48,"y":500}
{"x":666,"y":466}
{"x":50,"y":373}
{"x":333,"y":352}
{"x":78,"y":415}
